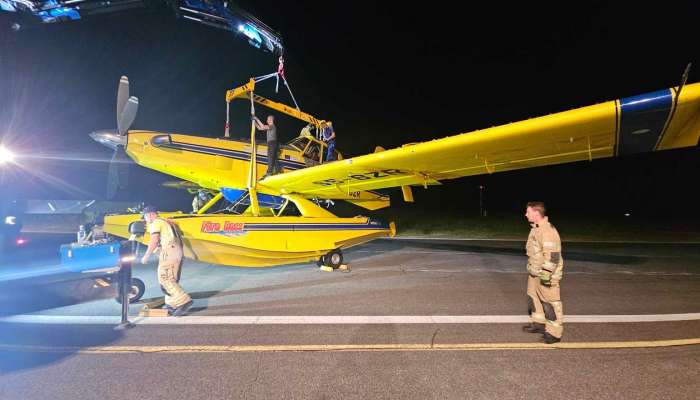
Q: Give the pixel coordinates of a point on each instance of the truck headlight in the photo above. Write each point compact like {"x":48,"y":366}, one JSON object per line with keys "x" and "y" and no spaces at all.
{"x":10,"y":220}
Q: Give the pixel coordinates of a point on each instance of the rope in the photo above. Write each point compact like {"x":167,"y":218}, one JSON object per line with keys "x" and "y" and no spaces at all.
{"x":290,"y":93}
{"x":279,"y":74}
{"x":265,"y":77}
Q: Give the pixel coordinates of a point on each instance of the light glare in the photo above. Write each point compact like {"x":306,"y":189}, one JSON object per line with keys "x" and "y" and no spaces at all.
{"x":6,"y":155}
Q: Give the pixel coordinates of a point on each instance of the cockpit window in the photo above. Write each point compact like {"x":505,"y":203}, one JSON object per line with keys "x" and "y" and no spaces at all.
{"x":313,"y":152}
{"x":299,"y":143}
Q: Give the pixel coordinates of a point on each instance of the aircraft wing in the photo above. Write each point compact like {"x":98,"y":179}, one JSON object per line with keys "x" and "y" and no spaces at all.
{"x":654,"y":121}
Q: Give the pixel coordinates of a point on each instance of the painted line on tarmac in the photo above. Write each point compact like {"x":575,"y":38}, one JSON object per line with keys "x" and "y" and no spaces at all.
{"x":351,"y":347}
{"x":338,"y":319}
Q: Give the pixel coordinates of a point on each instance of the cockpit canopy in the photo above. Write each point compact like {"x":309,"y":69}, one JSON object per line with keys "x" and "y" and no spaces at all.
{"x":313,"y":150}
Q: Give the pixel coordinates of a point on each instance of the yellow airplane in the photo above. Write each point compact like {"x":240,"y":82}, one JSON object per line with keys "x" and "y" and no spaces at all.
{"x":279,"y":219}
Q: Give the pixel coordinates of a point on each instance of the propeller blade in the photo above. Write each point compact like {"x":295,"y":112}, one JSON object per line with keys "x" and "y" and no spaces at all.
{"x":118,"y":174}
{"x":128,"y":115}
{"x":122,"y":97}
{"x":123,"y":167}
{"x":113,"y":177}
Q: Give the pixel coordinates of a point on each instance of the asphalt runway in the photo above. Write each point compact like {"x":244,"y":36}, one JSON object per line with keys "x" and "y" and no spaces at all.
{"x":413,"y":319}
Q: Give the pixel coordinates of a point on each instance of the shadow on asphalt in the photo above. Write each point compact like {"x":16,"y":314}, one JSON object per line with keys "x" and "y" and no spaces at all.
{"x":55,"y":337}
{"x":338,"y":278}
{"x":31,"y":280}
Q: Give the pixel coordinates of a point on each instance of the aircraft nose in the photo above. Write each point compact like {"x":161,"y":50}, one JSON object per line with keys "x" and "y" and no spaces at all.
{"x":111,"y":139}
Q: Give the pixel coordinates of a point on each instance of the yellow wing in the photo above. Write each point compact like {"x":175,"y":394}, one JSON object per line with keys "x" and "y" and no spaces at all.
{"x":653,"y":121}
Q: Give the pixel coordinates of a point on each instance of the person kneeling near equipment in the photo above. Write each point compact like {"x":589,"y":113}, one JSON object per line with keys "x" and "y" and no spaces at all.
{"x":165,"y":235}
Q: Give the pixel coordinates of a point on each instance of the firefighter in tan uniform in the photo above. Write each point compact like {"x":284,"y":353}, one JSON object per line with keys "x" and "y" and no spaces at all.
{"x":545,"y":267}
{"x":164,"y":235}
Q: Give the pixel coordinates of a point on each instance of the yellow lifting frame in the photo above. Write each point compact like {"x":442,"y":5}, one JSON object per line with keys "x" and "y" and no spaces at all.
{"x":245,"y":92}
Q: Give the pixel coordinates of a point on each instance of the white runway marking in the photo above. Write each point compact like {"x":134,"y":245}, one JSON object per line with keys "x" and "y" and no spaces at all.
{"x":338,"y":319}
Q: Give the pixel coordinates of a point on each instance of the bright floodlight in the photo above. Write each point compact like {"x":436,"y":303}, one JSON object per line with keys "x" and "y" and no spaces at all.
{"x":6,"y":155}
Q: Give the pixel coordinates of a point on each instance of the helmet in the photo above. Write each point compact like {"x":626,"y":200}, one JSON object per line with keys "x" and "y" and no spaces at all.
{"x":148,"y":209}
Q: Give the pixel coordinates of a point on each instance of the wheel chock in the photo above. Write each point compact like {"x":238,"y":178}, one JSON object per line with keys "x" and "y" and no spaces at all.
{"x":153,"y":312}
{"x":342,"y":268}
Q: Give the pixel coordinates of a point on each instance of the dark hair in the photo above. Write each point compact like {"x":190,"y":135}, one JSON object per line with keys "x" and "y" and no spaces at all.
{"x":538,"y":206}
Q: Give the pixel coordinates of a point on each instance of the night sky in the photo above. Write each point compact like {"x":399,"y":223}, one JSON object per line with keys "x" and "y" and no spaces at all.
{"x":385,"y":73}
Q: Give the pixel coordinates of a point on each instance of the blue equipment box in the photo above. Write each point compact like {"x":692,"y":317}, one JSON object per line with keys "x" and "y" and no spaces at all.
{"x":90,"y":257}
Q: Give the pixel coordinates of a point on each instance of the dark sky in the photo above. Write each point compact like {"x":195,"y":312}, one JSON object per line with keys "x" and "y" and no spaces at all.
{"x":385,"y":73}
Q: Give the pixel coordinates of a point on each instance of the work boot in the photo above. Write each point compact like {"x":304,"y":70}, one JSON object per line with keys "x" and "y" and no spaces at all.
{"x":182,"y":309}
{"x":549,"y":339}
{"x":534,"y":327}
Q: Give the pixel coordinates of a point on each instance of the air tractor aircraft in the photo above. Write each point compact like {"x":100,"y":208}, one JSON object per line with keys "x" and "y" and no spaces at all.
{"x":280,"y":220}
